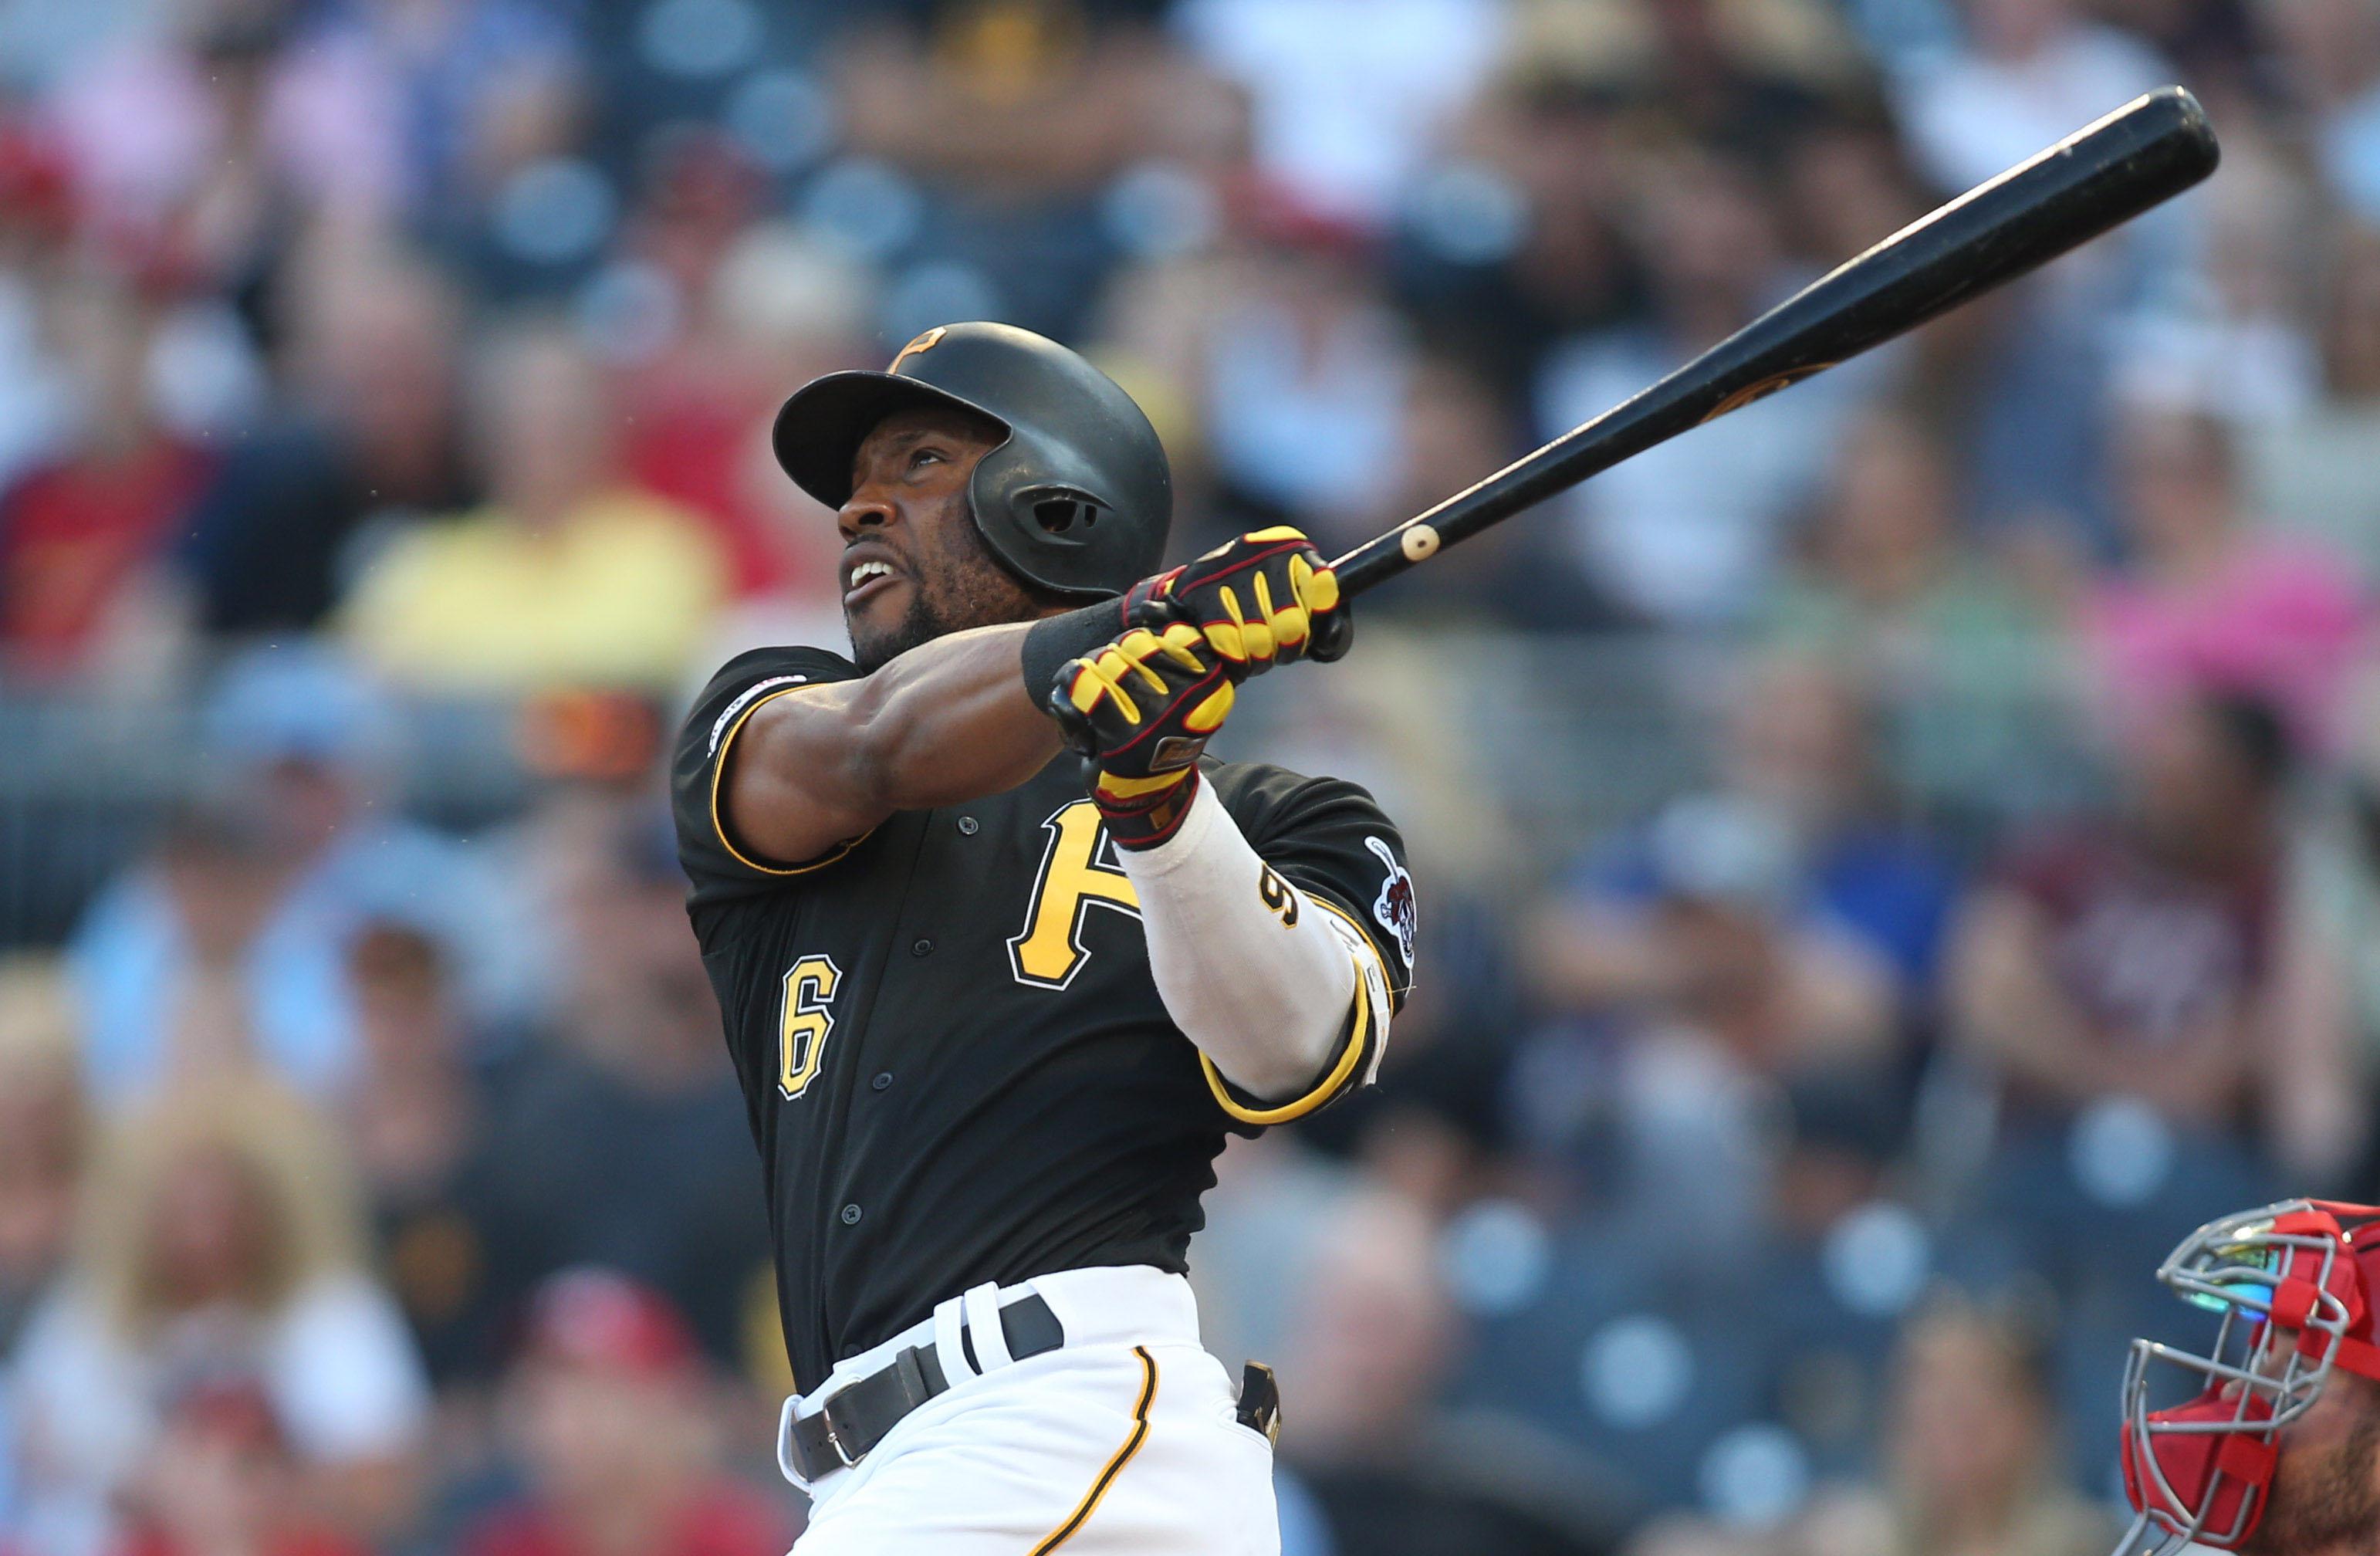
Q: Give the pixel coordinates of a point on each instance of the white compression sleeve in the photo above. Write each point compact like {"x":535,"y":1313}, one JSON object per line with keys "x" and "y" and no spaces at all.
{"x":1266,"y":989}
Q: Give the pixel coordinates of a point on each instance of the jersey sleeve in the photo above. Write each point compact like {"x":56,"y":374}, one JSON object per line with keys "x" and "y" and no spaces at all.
{"x":720,"y":867}
{"x":1331,"y":840}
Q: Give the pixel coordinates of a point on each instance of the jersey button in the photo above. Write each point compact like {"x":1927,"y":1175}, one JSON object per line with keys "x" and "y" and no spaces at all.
{"x":851,"y":1215}
{"x":921,"y":948}
{"x":882,"y":1080}
{"x":967,"y":825}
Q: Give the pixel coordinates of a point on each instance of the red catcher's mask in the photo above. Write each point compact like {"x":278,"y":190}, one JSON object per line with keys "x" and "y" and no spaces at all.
{"x":2294,"y":1284}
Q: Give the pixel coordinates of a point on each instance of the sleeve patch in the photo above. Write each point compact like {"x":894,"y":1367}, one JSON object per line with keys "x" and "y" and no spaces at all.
{"x":1394,"y":908}
{"x":744,"y":699}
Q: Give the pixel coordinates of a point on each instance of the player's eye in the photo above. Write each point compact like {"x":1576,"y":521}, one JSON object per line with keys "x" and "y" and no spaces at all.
{"x":920,"y":457}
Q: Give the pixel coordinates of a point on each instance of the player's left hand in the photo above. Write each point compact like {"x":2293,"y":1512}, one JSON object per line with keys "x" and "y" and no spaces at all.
{"x":1262,"y":599}
{"x":1140,"y":711}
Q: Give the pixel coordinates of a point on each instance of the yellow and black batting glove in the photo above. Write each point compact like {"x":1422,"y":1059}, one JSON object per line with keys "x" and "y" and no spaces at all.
{"x":1263,"y":600}
{"x":1140,"y":711}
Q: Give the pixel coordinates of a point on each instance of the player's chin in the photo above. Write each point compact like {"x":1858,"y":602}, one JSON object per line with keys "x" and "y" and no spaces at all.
{"x":885,"y":623}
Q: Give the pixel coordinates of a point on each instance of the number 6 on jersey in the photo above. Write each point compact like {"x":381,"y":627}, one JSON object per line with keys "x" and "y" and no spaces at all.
{"x":804,"y":1023}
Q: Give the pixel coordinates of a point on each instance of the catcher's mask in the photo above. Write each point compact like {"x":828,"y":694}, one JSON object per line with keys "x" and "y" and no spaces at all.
{"x":2293,"y":1286}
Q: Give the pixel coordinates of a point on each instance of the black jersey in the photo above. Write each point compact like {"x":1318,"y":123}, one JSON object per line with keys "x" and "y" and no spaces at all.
{"x":956,"y":1061}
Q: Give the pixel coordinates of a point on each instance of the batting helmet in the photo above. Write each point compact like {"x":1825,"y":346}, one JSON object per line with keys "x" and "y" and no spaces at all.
{"x":1077,"y":496}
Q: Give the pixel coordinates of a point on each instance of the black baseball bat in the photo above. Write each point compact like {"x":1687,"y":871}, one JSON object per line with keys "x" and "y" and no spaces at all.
{"x":2095,"y":179}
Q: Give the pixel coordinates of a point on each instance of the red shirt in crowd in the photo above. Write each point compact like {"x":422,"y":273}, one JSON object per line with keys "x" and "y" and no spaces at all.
{"x":691,"y":440}
{"x":73,"y":534}
{"x":2145,"y":950}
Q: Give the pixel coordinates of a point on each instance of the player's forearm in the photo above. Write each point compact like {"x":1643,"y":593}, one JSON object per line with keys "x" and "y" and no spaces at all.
{"x":949,"y":720}
{"x":1250,"y":969}
{"x":945,"y":723}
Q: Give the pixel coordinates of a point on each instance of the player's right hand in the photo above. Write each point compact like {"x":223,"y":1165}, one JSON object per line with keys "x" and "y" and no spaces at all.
{"x":1141,"y":711}
{"x":1262,"y":599}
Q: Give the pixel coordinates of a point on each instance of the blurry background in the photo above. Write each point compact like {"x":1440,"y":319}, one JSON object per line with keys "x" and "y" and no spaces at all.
{"x":1891,"y":861}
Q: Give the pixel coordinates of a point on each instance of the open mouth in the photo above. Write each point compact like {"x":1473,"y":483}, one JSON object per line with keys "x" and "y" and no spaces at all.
{"x":866,"y":581}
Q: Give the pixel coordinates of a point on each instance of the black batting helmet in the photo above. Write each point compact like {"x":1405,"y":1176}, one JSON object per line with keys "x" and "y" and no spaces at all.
{"x":1075,"y":498}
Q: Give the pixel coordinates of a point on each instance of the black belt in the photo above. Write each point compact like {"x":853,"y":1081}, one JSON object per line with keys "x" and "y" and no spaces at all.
{"x":858,"y":1415}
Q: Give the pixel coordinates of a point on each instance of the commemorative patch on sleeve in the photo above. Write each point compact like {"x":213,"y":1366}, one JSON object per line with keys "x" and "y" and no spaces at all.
{"x":742,"y":700}
{"x":1395,"y":906}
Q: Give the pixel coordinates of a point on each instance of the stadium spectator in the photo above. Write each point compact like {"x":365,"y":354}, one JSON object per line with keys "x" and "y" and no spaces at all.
{"x":223,"y":1477}
{"x":625,"y":1141}
{"x":771,"y":306}
{"x":2332,"y":51}
{"x":416,"y":1123}
{"x":210,"y":136}
{"x":83,"y":534}
{"x":1027,"y":101}
{"x":1960,"y":663}
{"x":1712,"y":988}
{"x":367,"y":435}
{"x":1969,"y":1441}
{"x":42,"y":1151}
{"x":1302,"y":373}
{"x":611,"y":1414}
{"x":2216,"y":603}
{"x":1510,"y":240}
{"x":2034,"y":71}
{"x":1453,"y":429}
{"x":2137,"y":960}
{"x":568,"y":576}
{"x":1685,"y":534}
{"x":37,"y":229}
{"x":2306,"y":474}
{"x":1346,"y":95}
{"x":230,"y":945}
{"x":219,"y":1237}
{"x":1801,"y":826}
{"x":1390,"y":1471}
{"x":42,"y":1144}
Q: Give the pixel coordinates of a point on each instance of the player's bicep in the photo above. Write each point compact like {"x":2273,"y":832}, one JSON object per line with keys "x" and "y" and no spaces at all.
{"x":728,"y":842}
{"x":789,"y":789}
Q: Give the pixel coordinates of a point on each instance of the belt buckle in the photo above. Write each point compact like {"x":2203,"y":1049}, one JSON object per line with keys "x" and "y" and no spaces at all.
{"x":834,"y":1438}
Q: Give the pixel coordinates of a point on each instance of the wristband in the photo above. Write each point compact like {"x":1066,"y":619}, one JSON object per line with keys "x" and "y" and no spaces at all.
{"x":1052,"y":640}
{"x":1144,"y":813}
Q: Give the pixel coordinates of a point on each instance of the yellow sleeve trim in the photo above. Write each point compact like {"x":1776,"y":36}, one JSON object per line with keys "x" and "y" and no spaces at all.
{"x":1350,"y":1056}
{"x":1114,"y":1466}
{"x":719,"y":828}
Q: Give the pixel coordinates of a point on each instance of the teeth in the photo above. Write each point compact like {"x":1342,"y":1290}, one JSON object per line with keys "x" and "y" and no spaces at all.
{"x":867,"y":570}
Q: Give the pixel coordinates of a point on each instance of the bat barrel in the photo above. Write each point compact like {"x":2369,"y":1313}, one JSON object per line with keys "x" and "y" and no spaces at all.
{"x":2102,"y":176}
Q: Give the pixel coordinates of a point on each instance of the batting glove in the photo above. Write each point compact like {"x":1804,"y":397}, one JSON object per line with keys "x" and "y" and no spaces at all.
{"x":1263,"y":600}
{"x":1140,"y":711}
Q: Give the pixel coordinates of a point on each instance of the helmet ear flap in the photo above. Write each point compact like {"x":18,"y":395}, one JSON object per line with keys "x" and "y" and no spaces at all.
{"x":1045,"y":522}
{"x":1062,"y":510}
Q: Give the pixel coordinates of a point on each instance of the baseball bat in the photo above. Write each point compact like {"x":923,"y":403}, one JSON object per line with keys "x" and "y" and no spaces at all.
{"x":2095,"y":179}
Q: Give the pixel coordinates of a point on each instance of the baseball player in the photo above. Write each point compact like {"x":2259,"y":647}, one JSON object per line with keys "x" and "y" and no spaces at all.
{"x":2275,"y":1449}
{"x":996,"y":1004}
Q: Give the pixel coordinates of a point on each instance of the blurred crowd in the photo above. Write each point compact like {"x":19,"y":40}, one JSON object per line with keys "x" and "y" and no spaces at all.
{"x":1773,"y":1164}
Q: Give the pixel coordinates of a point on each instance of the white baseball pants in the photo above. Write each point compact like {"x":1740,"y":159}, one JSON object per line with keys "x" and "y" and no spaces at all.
{"x":1120,"y":1442}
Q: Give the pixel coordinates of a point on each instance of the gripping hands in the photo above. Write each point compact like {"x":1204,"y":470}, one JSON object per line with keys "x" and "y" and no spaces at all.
{"x":1141,"y":710}
{"x":1262,"y":599}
